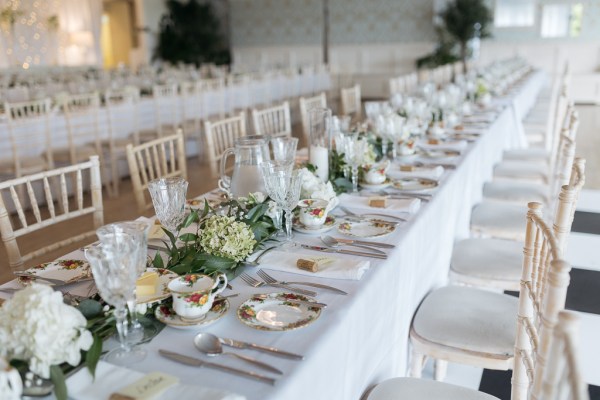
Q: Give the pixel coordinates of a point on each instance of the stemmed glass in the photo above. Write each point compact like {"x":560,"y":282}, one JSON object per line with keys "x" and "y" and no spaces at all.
{"x":285,"y":185}
{"x":284,"y":148}
{"x":168,"y":197}
{"x":269,"y":168}
{"x":354,"y":153}
{"x":114,"y":266}
{"x":137,"y":231}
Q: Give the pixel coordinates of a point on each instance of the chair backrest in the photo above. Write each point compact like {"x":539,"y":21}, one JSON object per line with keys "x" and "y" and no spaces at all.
{"x":212,"y":93}
{"x":351,"y":101}
{"x":561,"y":162}
{"x":29,"y":132}
{"x":221,"y":135}
{"x":273,"y":121}
{"x":160,"y":158}
{"x":544,"y":282}
{"x":17,"y":193}
{"x":306,"y":104}
{"x":81,"y":117}
{"x":191,"y":107}
{"x":166,"y":107}
{"x":562,"y":379}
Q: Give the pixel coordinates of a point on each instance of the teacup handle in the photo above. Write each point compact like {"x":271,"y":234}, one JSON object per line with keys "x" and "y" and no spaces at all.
{"x":220,"y":284}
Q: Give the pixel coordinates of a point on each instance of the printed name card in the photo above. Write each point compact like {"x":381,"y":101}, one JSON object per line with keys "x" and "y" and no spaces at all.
{"x":148,"y":387}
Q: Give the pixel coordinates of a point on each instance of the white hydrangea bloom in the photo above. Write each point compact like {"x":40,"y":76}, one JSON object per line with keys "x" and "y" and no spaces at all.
{"x":313,"y":188}
{"x":38,"y":327}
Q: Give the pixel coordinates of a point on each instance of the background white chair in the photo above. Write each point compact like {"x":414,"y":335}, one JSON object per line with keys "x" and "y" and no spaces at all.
{"x":221,"y":135}
{"x":161,"y":158}
{"x":306,"y":104}
{"x":273,"y":121}
{"x":350,"y":99}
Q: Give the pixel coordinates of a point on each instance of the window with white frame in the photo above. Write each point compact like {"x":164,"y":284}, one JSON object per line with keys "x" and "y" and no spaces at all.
{"x":561,"y":20}
{"x":514,"y":13}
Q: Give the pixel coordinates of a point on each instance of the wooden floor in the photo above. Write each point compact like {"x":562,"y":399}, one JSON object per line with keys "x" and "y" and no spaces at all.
{"x":123,"y":208}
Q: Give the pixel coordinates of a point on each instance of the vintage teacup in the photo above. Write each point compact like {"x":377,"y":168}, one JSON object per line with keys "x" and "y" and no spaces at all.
{"x":194,"y":294}
{"x":313,"y":212}
{"x":406,"y":147}
{"x":376,"y":174}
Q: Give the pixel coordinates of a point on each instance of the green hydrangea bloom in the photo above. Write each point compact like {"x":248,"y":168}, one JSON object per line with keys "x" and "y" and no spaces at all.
{"x":224,"y":237}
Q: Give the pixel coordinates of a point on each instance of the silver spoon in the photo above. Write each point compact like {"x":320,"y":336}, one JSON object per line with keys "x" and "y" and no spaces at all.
{"x":331,"y":242}
{"x":210,"y":345}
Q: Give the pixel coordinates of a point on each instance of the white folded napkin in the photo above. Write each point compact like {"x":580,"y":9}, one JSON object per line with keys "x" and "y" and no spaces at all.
{"x":333,"y":267}
{"x":417,"y":172}
{"x":456,"y":145}
{"x":393,"y":205}
{"x":111,"y":378}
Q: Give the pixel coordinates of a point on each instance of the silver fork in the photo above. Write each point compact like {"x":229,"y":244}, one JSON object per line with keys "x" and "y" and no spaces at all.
{"x":269,"y":279}
{"x":256,"y":283}
{"x":348,"y":212}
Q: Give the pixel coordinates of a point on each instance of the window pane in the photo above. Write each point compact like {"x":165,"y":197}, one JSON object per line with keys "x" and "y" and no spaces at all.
{"x":514,"y":13}
{"x":561,"y":20}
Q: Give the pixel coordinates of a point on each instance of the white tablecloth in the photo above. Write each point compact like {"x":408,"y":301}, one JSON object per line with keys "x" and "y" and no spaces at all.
{"x":362,"y":338}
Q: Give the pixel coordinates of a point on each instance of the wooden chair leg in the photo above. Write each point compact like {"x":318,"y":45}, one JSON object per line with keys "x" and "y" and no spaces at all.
{"x":440,"y":368}
{"x":417,"y":363}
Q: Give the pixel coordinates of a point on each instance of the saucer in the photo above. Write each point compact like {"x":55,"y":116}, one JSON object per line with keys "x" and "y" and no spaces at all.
{"x":376,"y":186}
{"x":326,"y":227}
{"x":165,"y":314}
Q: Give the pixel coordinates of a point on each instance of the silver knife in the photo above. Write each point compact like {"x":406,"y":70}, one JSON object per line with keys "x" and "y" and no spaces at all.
{"x":245,"y":345}
{"x":200,"y":363}
{"x":372,"y":244}
{"x":53,"y":281}
{"x":343,"y":251}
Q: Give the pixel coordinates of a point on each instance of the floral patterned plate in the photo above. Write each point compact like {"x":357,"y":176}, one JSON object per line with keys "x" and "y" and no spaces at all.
{"x":165,"y":314}
{"x":367,"y":229}
{"x":415,"y":184}
{"x":376,"y":186}
{"x":437,"y":154}
{"x":326,"y":227}
{"x":164,"y":277}
{"x":68,"y":271}
{"x":276,"y":314}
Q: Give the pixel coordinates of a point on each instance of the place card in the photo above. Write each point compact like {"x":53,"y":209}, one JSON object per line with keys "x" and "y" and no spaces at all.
{"x":146,"y":388}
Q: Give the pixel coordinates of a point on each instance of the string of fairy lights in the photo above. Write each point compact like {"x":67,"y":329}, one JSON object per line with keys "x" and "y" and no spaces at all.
{"x":29,"y":31}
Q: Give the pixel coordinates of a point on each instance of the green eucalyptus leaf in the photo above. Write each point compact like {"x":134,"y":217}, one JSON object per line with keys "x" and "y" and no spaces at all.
{"x":190,"y":219}
{"x":90,"y":308}
{"x":93,"y":355}
{"x":171,"y":237}
{"x":256,"y":212}
{"x":58,"y":379}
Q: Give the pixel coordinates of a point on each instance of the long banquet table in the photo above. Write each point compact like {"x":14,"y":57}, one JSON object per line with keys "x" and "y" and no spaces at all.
{"x":362,"y":338}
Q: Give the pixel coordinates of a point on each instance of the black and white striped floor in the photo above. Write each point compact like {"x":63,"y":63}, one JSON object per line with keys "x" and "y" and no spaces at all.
{"x":583,"y":296}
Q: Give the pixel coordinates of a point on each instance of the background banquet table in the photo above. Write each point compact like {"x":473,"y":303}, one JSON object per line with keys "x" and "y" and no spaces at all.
{"x":361,"y":338}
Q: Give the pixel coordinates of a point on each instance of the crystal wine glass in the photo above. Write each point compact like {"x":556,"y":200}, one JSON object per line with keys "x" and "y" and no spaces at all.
{"x":286,"y":193}
{"x":114,"y":267}
{"x":354,"y":153}
{"x":168,"y":197}
{"x":267,"y":169}
{"x":137,"y":231}
{"x":284,"y":148}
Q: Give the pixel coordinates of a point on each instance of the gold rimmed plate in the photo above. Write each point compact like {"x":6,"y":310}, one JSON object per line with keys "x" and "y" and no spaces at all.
{"x":65,"y":270}
{"x":368,"y":228}
{"x":275,"y":313}
{"x":415,"y":184}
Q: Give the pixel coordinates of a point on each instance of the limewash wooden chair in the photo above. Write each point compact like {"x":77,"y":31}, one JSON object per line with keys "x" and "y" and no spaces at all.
{"x":19,"y":193}
{"x":559,"y":380}
{"x":482,"y":334}
{"x":273,"y":121}
{"x":496,"y":263}
{"x":350,"y":99}
{"x":221,"y":135}
{"x":161,"y":158}
{"x":306,"y":104}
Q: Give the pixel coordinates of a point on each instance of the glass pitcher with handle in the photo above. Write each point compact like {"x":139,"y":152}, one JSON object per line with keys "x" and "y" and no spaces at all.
{"x":249,"y":153}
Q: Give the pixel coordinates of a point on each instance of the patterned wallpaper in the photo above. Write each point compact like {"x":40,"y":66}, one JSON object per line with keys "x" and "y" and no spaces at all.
{"x":299,"y":22}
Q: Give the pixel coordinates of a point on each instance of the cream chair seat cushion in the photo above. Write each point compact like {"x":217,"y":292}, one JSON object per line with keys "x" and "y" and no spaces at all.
{"x":499,"y":220}
{"x":515,"y":192}
{"x":424,"y":389}
{"x":488,"y":260}
{"x":522,"y":170}
{"x":528,"y":154}
{"x":468,"y":319}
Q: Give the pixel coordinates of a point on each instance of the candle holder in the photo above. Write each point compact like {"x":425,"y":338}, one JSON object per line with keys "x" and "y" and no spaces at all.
{"x":320,"y":141}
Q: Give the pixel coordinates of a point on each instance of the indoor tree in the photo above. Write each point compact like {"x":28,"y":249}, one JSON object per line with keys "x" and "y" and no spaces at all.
{"x":463,"y":19}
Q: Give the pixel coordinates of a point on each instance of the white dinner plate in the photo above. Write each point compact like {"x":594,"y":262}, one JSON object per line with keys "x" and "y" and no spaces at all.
{"x":371,"y":228}
{"x":276,"y":314}
{"x":411,"y":184}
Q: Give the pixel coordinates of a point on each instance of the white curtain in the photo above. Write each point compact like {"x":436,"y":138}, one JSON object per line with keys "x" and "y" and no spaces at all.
{"x":59,"y":32}
{"x":555,"y":20}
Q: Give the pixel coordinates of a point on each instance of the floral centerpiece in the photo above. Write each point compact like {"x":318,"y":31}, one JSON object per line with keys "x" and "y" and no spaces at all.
{"x":42,"y":335}
{"x":224,"y":238}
